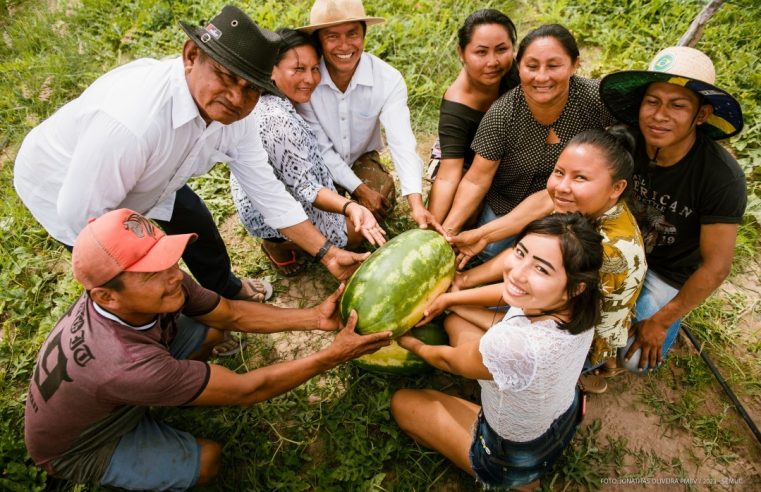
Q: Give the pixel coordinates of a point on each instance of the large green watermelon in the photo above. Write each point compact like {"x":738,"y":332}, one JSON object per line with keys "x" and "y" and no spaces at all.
{"x":391,"y":289}
{"x":395,"y":360}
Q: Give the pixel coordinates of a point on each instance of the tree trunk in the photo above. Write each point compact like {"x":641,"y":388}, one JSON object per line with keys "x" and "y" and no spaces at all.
{"x":693,"y":34}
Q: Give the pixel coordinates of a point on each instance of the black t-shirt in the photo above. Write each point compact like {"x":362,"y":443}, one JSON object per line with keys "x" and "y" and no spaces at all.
{"x":458,"y":123}
{"x":671,"y":203}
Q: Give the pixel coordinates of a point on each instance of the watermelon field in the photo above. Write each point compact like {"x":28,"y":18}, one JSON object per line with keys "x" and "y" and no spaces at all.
{"x":673,"y":430}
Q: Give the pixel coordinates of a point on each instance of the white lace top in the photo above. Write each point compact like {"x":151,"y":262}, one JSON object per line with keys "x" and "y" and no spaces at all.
{"x":535,"y":366}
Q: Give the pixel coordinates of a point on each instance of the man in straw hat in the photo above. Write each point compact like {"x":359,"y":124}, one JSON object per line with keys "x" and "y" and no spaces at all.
{"x":689,"y":194}
{"x":358,"y":93}
{"x":138,"y":133}
{"x":138,"y":337}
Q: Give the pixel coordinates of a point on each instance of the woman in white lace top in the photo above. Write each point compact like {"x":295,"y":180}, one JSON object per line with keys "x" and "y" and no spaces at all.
{"x":527,"y":364}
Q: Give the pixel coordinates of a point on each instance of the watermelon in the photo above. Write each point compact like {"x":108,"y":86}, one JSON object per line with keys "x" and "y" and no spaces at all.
{"x":398,"y":361}
{"x":391,"y":289}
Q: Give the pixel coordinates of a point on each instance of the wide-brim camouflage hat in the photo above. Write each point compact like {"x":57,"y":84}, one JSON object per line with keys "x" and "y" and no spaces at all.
{"x":240,"y":45}
{"x":622,"y":92}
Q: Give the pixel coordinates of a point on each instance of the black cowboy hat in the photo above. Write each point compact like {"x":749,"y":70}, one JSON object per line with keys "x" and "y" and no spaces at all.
{"x":237,"y":43}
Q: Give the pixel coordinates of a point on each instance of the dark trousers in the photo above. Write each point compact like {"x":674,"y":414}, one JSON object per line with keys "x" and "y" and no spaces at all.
{"x":206,"y":257}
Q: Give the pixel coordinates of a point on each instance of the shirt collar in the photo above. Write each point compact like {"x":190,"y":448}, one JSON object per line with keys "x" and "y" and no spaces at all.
{"x":363,"y":75}
{"x":184,"y":108}
{"x":117,"y":319}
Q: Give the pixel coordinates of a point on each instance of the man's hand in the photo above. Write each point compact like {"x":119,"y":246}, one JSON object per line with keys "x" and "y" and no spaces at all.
{"x":341,"y":263}
{"x":372,"y":200}
{"x":422,"y":217}
{"x":649,"y":336}
{"x":468,"y":245}
{"x":349,"y":345}
{"x":327,"y":311}
{"x":365,"y":223}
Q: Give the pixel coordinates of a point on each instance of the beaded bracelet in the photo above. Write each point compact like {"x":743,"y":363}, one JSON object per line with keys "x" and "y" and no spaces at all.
{"x":323,"y":250}
{"x":346,"y":205}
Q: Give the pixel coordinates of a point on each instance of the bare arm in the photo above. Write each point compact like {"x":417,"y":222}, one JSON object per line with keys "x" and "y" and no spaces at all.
{"x":340,"y":263}
{"x":470,"y":243}
{"x":226,"y":387}
{"x":717,"y":244}
{"x":488,"y":295}
{"x":491,"y":271}
{"x":464,"y":360}
{"x":255,"y":317}
{"x":470,"y":192}
{"x":444,"y":187}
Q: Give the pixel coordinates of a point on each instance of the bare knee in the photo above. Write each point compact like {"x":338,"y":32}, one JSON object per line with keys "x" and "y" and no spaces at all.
{"x":209,"y":467}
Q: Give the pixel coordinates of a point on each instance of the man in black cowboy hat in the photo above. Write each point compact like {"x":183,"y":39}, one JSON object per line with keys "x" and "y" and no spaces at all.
{"x":138,"y":133}
{"x":689,"y":194}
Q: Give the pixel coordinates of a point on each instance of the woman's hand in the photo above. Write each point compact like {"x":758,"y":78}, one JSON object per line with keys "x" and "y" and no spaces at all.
{"x":435,"y":308}
{"x":365,"y":223}
{"x":409,"y":342}
{"x":468,"y":244}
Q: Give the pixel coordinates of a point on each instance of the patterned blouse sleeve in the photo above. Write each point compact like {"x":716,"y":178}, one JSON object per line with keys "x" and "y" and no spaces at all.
{"x":510,"y":357}
{"x":287,"y":145}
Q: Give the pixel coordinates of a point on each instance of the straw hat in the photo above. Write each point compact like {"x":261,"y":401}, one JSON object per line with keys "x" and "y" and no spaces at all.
{"x":622,"y":92}
{"x":326,"y":13}
{"x":240,"y":45}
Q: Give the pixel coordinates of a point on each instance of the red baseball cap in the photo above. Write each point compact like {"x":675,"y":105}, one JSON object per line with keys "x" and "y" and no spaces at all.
{"x":123,"y":241}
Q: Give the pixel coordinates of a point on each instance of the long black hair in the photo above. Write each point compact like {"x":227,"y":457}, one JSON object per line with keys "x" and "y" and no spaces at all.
{"x":617,"y":145}
{"x":560,"y":33}
{"x":484,"y":17}
{"x":581,"y":249}
{"x":291,"y":38}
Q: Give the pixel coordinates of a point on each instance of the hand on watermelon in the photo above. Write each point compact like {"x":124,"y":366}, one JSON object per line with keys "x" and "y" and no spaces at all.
{"x":468,"y":244}
{"x":348,"y":344}
{"x":435,"y":308}
{"x":341,"y":263}
{"x":327,"y":311}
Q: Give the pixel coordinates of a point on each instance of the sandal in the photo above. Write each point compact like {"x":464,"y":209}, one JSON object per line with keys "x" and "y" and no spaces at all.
{"x":592,"y":383}
{"x":611,"y":372}
{"x":231,"y":345}
{"x":288,"y":268}
{"x":254,"y":289}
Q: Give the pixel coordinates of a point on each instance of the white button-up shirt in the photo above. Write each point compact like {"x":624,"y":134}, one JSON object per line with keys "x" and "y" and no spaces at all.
{"x":131,"y":140}
{"x":348,"y":124}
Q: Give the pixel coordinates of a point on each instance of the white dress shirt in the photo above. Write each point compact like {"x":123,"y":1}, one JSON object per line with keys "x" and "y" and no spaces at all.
{"x":131,"y":140}
{"x":347,"y":124}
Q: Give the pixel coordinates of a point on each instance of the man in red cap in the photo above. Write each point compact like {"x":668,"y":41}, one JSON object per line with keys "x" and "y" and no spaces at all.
{"x":138,"y":337}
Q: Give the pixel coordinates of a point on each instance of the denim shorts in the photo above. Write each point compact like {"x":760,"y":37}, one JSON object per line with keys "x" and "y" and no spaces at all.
{"x":154,"y":455}
{"x":500,"y":464}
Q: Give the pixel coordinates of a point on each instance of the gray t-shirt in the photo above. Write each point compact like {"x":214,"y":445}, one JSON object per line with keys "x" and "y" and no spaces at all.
{"x":95,"y":377}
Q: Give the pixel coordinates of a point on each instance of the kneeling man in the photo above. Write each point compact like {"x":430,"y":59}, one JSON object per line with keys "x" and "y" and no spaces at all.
{"x":689,"y":193}
{"x":138,"y":337}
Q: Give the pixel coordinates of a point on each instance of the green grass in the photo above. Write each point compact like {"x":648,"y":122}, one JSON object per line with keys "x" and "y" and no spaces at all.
{"x":335,"y":432}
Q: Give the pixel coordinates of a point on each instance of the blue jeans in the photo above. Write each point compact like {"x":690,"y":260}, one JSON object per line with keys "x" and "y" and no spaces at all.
{"x":153,"y":455}
{"x":655,"y":294}
{"x":500,"y":463}
{"x":495,"y":248}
